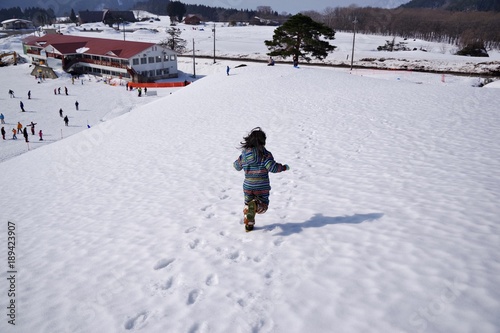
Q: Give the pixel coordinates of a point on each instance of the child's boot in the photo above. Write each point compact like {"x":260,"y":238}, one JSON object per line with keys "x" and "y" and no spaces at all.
{"x":250,"y":215}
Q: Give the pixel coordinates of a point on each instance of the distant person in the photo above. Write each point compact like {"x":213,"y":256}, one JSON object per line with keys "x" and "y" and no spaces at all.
{"x":14,"y":136}
{"x":76,"y":105}
{"x":2,"y":118}
{"x":66,"y":120}
{"x":55,"y":91}
{"x":270,"y":62}
{"x":59,"y":90}
{"x":227,"y":70}
{"x":40,"y":134}
{"x":11,"y":93}
{"x":32,"y":125}
{"x":3,"y":132}
{"x":21,"y":104}
{"x":145,"y":91}
{"x":139,"y":92}
{"x":295,"y":61}
{"x":29,"y":94}
{"x":60,"y":113}
{"x":25,"y":134}
{"x":19,"y":127}
{"x":66,"y":91}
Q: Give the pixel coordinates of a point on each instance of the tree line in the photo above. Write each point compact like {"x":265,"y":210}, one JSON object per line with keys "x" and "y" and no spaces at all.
{"x":38,"y":16}
{"x":216,"y":14}
{"x":459,"y":28}
{"x":435,"y":25}
{"x":455,"y":5}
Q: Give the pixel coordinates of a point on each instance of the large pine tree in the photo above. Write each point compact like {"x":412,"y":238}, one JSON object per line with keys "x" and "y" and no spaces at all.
{"x":72,"y":16}
{"x":176,"y":10}
{"x":301,"y":37}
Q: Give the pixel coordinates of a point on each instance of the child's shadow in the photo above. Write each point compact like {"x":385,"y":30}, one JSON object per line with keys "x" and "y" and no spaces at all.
{"x":318,"y":221}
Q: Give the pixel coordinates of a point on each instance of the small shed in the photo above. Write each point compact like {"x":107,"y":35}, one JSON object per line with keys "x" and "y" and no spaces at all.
{"x":17,"y":24}
{"x":193,"y":19}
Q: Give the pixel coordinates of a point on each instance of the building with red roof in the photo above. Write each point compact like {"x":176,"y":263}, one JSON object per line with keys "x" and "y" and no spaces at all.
{"x":137,"y":61}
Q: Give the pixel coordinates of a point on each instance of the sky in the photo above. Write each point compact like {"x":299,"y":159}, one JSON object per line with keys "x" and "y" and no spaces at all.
{"x":295,"y":6}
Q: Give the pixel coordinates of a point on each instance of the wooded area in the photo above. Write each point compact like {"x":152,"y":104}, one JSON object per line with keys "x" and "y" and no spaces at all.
{"x":436,"y":25}
{"x":38,"y":16}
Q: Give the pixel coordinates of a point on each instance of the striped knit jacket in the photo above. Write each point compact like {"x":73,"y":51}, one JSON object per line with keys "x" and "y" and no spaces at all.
{"x":257,"y":170}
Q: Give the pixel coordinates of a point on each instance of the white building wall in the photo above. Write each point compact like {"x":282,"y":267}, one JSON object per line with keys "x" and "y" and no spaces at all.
{"x":153,"y":59}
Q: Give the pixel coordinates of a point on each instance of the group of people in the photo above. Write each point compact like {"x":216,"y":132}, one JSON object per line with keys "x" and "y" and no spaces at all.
{"x":19,"y":129}
{"x":22,"y":131}
{"x":57,"y":91}
{"x":65,"y":118}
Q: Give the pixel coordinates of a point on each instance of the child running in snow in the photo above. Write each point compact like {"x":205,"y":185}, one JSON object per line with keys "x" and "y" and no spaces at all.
{"x":257,"y":163}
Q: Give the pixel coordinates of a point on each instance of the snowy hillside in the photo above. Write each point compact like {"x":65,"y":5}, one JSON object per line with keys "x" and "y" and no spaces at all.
{"x":386,"y":222}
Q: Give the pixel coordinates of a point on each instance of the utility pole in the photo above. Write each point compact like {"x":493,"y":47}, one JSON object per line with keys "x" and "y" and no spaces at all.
{"x":194,"y":62}
{"x":123,"y":26}
{"x":214,"y":43}
{"x":353,"y":39}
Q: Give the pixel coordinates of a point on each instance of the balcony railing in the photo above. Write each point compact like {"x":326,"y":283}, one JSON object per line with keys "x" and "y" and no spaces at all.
{"x":30,"y":51}
{"x":72,"y":61}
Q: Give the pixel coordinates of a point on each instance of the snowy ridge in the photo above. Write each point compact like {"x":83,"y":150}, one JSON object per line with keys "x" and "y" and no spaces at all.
{"x":386,"y":222}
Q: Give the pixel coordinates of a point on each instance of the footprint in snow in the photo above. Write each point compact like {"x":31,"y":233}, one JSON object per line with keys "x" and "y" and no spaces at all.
{"x":162,"y":263}
{"x":189,"y":230}
{"x":278,"y":242}
{"x":212,"y":280}
{"x":199,"y":328}
{"x":194,"y":244}
{"x":137,"y":321}
{"x":193,"y":296}
{"x":167,"y":284}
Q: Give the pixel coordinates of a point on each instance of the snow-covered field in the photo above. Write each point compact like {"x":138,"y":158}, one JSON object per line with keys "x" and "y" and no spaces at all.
{"x":386,"y":222}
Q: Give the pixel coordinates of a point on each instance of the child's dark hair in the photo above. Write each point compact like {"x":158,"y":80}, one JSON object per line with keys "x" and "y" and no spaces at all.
{"x":256,"y":139}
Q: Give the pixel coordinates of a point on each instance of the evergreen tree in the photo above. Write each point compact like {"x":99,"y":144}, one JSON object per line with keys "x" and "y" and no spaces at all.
{"x":176,"y":10}
{"x":299,"y":37}
{"x":174,"y":41}
{"x":72,"y":16}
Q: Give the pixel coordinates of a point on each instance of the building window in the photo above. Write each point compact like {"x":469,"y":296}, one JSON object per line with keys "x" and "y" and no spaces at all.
{"x":151,"y":73}
{"x":172,"y":57}
{"x":143,"y":61}
{"x":151,"y":60}
{"x":158,"y":58}
{"x":135,"y":61}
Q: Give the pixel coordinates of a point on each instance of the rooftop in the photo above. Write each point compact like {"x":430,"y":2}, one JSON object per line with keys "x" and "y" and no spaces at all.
{"x":67,"y":44}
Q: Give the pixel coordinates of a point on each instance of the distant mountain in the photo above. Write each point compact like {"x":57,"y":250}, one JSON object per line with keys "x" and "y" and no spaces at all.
{"x":456,"y":5}
{"x":387,"y":4}
{"x":64,"y":7}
